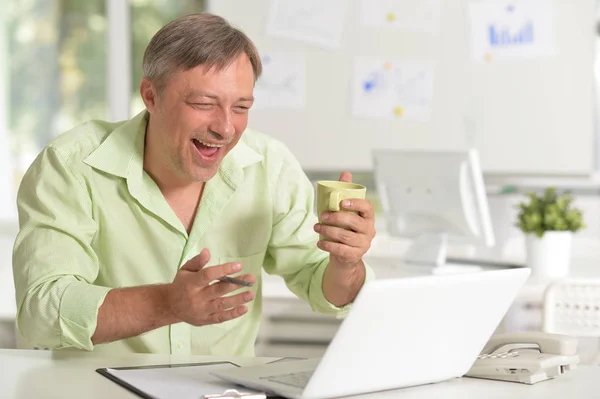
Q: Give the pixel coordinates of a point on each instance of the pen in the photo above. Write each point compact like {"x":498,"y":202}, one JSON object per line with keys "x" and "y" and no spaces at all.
{"x":227,"y":279}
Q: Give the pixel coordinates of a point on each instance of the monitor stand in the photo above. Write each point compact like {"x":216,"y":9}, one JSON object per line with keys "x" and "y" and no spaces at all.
{"x":429,"y":252}
{"x":428,"y":249}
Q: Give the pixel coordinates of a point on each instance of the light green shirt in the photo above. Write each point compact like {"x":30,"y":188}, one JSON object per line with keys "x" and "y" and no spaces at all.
{"x":91,"y":219}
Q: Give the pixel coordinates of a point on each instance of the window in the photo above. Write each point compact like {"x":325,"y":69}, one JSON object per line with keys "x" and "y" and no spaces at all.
{"x":54,"y":70}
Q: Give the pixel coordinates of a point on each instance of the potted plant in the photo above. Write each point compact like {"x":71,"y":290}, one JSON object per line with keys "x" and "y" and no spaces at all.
{"x":549,"y":221}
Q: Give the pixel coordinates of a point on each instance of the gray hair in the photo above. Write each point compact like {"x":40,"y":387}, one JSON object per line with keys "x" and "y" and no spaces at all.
{"x":193,"y":40}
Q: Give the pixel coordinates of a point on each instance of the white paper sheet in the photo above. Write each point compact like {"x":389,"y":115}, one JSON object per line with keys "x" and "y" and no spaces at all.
{"x":412,"y":16}
{"x":502,"y":30}
{"x":311,"y":21}
{"x":189,"y":382}
{"x":282,"y":84}
{"x":392,"y":89}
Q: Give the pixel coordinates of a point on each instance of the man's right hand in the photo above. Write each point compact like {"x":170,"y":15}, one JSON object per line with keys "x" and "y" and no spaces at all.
{"x":192,"y":299}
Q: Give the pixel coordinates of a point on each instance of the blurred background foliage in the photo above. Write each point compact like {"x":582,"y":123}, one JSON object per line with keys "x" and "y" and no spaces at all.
{"x":57,"y":53}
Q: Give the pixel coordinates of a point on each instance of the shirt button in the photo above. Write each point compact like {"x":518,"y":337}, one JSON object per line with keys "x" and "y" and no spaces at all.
{"x":180,"y":344}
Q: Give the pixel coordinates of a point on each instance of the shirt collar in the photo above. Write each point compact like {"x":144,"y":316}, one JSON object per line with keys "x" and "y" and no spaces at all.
{"x":242,"y":155}
{"x":123,"y":151}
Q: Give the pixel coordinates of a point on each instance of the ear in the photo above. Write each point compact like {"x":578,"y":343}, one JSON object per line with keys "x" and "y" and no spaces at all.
{"x":148,"y":94}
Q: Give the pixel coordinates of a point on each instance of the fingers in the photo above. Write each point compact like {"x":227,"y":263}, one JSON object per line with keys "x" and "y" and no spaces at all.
{"x":346,"y":177}
{"x":341,"y":235}
{"x":350,"y":254}
{"x":227,"y":315}
{"x":228,"y":308}
{"x":350,"y":221}
{"x":214,"y":272}
{"x":225,"y":303}
{"x":363,"y":207}
{"x":197,"y":262}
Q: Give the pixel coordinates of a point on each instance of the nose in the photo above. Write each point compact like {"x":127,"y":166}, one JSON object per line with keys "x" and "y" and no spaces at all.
{"x":223,"y":125}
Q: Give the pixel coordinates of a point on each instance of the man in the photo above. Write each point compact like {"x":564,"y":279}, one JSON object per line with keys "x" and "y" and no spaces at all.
{"x":126,"y":227}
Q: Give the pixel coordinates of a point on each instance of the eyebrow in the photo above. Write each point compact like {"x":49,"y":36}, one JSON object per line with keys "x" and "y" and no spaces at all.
{"x":213,"y":96}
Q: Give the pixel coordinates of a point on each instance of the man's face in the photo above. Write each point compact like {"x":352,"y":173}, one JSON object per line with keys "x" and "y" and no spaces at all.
{"x":199,"y":116}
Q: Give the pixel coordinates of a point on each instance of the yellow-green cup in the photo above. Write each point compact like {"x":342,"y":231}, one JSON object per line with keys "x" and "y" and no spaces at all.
{"x":331,"y":193}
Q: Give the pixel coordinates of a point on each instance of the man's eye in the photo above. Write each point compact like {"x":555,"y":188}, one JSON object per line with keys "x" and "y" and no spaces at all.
{"x":202,"y":105}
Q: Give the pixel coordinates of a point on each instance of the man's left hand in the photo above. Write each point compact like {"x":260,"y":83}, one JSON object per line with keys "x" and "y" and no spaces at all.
{"x":352,"y":232}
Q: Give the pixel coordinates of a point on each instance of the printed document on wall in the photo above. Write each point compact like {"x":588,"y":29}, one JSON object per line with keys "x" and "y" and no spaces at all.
{"x":502,"y":30}
{"x":282,"y":83}
{"x":392,"y":89}
{"x":317,"y":22}
{"x":412,"y":16}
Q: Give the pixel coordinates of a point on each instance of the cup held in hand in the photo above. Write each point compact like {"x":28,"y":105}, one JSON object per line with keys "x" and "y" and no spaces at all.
{"x":331,"y":193}
{"x":334,"y":200}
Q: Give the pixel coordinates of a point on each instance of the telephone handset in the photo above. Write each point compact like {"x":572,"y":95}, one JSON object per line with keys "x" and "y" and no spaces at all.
{"x":525,"y":357}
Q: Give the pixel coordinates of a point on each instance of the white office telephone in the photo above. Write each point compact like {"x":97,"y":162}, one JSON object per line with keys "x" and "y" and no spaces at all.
{"x":527,"y":358}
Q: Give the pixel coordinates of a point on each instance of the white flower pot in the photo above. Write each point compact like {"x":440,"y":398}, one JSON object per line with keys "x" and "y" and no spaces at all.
{"x":549,"y":256}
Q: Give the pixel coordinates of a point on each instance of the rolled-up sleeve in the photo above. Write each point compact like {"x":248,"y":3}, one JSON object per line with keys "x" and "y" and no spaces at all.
{"x":293,"y":252}
{"x":54,"y":265}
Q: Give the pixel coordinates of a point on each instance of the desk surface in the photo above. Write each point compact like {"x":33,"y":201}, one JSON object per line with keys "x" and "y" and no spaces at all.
{"x":69,"y":375}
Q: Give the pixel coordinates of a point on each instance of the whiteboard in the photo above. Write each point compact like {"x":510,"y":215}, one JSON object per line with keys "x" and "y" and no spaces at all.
{"x":525,"y":116}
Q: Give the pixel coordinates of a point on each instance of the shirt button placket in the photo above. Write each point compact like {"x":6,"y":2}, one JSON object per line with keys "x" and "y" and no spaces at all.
{"x":180,"y":339}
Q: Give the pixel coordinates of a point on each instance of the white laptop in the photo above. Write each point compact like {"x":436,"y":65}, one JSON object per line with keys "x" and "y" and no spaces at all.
{"x":398,"y":333}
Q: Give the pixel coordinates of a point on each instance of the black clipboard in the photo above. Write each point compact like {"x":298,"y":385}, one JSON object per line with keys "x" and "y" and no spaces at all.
{"x":104,"y":372}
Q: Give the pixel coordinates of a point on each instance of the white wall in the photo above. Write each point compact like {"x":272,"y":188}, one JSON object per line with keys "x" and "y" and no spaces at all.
{"x":546,"y":99}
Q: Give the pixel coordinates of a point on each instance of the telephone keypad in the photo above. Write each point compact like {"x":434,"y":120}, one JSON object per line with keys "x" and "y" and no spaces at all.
{"x":501,"y":355}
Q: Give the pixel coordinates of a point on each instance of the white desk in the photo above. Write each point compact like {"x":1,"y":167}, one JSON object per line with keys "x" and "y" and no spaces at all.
{"x":71,"y":375}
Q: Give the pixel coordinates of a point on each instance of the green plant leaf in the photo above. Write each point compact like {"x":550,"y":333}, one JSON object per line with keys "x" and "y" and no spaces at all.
{"x":549,"y":211}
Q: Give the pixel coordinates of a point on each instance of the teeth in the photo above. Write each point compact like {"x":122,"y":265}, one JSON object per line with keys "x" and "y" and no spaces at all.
{"x":208,"y":144}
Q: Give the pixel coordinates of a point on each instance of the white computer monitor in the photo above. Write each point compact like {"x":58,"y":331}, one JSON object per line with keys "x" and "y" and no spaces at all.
{"x":431,"y":197}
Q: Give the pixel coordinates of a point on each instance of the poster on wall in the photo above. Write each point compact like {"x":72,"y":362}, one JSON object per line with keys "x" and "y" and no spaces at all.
{"x":503,"y":30}
{"x":315,"y":22}
{"x":422,"y":16}
{"x":392,"y":89}
{"x":282,"y":84}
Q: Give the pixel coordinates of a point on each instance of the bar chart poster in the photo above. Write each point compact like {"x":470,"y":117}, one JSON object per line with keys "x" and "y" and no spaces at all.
{"x":502,"y":30}
{"x":395,"y":89}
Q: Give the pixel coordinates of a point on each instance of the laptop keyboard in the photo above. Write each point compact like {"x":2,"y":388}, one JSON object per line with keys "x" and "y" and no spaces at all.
{"x":298,"y":379}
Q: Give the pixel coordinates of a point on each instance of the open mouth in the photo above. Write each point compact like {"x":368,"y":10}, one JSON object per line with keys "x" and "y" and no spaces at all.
{"x":207,"y":150}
